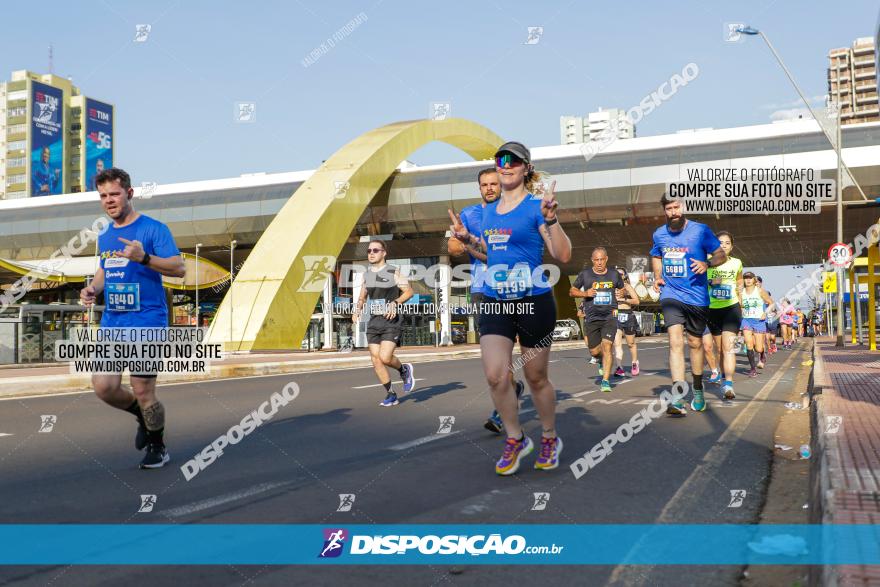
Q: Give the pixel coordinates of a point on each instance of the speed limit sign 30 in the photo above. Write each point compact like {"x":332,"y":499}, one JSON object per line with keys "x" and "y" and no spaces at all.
{"x":840,"y":254}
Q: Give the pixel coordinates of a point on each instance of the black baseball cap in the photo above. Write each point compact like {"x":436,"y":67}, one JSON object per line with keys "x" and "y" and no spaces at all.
{"x":518,"y":149}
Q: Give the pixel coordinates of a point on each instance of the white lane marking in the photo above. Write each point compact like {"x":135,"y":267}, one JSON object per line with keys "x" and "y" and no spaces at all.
{"x":580,"y":393}
{"x":198,"y":506}
{"x":704,"y":474}
{"x":6,"y":434}
{"x":377,"y":385}
{"x":56,"y":394}
{"x":422,"y":440}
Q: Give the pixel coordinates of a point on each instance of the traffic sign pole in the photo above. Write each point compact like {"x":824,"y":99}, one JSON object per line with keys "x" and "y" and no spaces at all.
{"x":840,"y":255}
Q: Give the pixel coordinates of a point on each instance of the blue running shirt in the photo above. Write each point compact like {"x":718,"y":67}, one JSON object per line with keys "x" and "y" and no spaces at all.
{"x":133,"y":294}
{"x":677,"y":250}
{"x":515,"y":249}
{"x":472,"y":218}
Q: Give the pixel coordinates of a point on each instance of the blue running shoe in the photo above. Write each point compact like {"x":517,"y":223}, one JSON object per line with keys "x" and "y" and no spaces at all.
{"x":715,"y":377}
{"x":494,"y":424}
{"x":698,"y":404}
{"x":605,"y":386}
{"x":409,"y":377}
{"x":390,"y":400}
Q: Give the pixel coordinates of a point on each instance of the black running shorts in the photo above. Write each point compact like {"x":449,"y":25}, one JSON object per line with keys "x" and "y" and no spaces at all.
{"x":626,"y":321}
{"x":532,"y":318}
{"x":599,"y":330}
{"x":725,"y":319}
{"x":693,"y":318}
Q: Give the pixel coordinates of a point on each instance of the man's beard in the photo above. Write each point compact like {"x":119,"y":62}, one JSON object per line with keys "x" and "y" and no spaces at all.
{"x":486,"y":200}
{"x":675,"y":223}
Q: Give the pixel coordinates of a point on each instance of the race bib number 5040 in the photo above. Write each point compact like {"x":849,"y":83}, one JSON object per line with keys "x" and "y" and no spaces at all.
{"x":123,"y":297}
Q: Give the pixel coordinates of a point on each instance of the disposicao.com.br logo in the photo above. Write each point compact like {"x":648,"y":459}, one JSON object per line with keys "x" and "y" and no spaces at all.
{"x":476,"y":545}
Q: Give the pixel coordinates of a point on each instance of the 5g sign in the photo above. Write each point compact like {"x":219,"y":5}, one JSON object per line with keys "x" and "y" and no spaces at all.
{"x":103,"y":140}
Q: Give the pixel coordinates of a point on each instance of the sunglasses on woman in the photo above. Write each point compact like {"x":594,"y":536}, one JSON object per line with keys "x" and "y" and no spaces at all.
{"x":508,"y":159}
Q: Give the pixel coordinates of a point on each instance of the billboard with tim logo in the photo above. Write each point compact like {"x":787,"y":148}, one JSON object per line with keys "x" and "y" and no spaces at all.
{"x":47,"y":140}
{"x":98,"y":143}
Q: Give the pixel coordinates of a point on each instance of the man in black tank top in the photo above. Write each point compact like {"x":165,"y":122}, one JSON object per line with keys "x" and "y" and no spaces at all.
{"x":387,"y":289}
{"x":597,"y":286}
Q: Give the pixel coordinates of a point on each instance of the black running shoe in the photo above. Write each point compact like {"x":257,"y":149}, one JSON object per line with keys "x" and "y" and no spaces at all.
{"x":156,"y":457}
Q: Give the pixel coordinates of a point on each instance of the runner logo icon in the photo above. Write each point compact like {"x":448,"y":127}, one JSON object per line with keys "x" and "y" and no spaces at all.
{"x":334,"y":541}
{"x":317,"y":268}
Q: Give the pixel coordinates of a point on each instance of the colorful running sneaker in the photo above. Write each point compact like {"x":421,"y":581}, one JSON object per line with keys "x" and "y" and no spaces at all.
{"x":760,"y":364}
{"x":593,"y":360}
{"x":698,"y":404}
{"x":752,"y":373}
{"x":409,"y":377}
{"x":551,"y":448}
{"x":390,"y":400}
{"x":619,"y":372}
{"x":605,"y":386}
{"x":676,"y":408}
{"x":715,"y":377}
{"x":634,"y":369}
{"x":514,"y":451}
{"x":728,"y":390}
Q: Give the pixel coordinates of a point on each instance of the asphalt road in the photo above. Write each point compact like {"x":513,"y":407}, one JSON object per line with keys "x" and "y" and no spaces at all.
{"x":334,"y":439}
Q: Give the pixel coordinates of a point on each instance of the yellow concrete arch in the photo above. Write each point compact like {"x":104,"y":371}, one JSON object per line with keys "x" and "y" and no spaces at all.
{"x":274,"y":294}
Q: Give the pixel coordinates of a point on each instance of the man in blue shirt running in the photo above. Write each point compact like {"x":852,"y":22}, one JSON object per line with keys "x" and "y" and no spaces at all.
{"x":136,"y":251}
{"x":472,"y":219}
{"x":680,"y":250}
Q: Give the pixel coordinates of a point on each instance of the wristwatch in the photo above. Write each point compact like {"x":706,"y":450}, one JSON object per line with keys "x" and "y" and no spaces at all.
{"x":146,"y":259}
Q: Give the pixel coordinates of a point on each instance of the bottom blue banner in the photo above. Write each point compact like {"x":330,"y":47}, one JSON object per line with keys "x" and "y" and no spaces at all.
{"x":223,"y":544}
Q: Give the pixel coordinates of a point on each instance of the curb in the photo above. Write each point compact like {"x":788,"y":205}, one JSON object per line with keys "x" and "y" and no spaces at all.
{"x":824,"y":448}
{"x":49,"y":384}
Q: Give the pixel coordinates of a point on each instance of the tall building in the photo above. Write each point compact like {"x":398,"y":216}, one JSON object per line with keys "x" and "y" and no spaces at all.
{"x":580,"y":129}
{"x":852,"y":81}
{"x":53,"y":140}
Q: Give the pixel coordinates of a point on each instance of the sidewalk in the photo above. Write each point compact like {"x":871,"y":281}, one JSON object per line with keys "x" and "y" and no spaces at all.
{"x":17,"y":380}
{"x":845,"y":479}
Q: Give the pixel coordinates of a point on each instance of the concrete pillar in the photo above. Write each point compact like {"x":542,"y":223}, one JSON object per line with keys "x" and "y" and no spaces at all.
{"x":327,"y":308}
{"x":444,"y":291}
{"x":359,"y":329}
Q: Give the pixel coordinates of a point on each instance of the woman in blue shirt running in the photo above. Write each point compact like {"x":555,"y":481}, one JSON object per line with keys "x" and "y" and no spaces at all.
{"x":519,"y":299}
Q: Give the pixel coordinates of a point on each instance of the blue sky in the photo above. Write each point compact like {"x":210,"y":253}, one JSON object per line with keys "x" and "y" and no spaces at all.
{"x":175,"y":93}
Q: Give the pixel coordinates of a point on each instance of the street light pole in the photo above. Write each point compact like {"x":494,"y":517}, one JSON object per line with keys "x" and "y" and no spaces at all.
{"x":837,"y":146}
{"x":198,"y":246}
{"x":231,"y":278}
{"x":840,"y":272}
